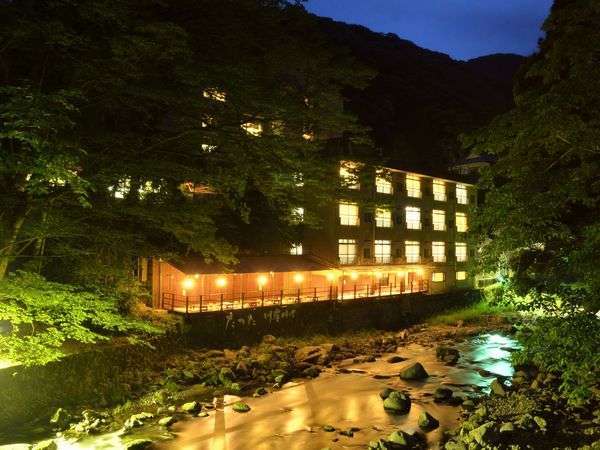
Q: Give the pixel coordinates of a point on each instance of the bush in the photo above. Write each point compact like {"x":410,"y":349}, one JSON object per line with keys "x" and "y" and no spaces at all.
{"x":40,"y":316}
{"x":567,"y":346}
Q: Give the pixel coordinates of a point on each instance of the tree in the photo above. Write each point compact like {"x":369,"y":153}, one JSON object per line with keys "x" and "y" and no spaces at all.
{"x":541,"y":216}
{"x":142,"y":126}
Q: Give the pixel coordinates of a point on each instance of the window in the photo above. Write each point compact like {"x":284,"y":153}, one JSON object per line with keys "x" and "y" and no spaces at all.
{"x":298,"y":178}
{"x":438,"y":277}
{"x":461,"y":194}
{"x":296,"y":249}
{"x":461,"y":275}
{"x":439,"y":190}
{"x":214,"y":94}
{"x":461,"y":222}
{"x":252,"y":128}
{"x":298,"y":215}
{"x":383,"y":218}
{"x":439,"y":220}
{"x":413,"y":186}
{"x":382,"y":184}
{"x":349,"y":214}
{"x":461,"y":252}
{"x":412,"y":251}
{"x":438,"y":251}
{"x":383,"y":252}
{"x":348,"y":174}
{"x":347,"y":251}
{"x":413,"y":218}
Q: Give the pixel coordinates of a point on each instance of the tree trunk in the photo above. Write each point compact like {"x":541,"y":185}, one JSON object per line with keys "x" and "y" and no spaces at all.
{"x":8,"y":242}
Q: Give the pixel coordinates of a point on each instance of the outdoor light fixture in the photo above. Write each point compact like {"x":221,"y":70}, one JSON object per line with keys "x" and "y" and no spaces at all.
{"x":221,"y":282}
{"x":298,"y":278}
{"x":330,"y":276}
{"x":262,"y":280}
{"x":187,"y":283}
{"x":378,"y":275}
{"x":353,"y":275}
{"x":196,"y":276}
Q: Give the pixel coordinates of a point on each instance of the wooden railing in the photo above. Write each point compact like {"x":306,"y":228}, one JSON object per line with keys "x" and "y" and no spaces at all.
{"x":261,"y":298}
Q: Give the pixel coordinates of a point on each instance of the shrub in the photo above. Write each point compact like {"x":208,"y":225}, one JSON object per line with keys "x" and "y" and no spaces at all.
{"x":40,"y":316}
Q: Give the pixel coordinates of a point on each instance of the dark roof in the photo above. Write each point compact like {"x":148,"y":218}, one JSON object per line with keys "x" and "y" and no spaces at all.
{"x":252,"y":264}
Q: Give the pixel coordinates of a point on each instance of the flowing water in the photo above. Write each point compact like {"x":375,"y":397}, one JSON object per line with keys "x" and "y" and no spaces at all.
{"x":293,"y":417}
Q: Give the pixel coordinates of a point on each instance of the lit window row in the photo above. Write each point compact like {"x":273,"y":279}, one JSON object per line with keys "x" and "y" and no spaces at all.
{"x":347,"y":251}
{"x":383,"y":184}
{"x":438,"y":277}
{"x":349,"y":216}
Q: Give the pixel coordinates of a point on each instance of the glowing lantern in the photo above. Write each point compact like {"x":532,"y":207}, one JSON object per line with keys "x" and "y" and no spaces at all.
{"x":353,"y":275}
{"x":330,"y":276}
{"x":262,"y":280}
{"x":187,"y":283}
{"x":378,"y":275}
{"x":221,"y":282}
{"x":298,"y":278}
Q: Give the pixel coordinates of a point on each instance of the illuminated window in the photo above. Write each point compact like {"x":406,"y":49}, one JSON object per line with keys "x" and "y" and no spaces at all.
{"x":348,"y":174}
{"x":413,"y":186}
{"x":207,"y":148}
{"x":461,"y":275}
{"x":349,"y":214}
{"x":383,"y":252}
{"x":382,"y":184}
{"x":412,"y":251}
{"x":383,"y":218}
{"x":461,"y":194}
{"x":308,"y":136}
{"x":296,"y":249}
{"x":438,"y":277}
{"x":461,"y":252}
{"x":347,"y":251}
{"x":298,"y":215}
{"x":252,"y":128}
{"x":439,"y":220}
{"x":298,"y":179}
{"x":121,"y":189}
{"x":438,"y":251}
{"x":439,"y":190}
{"x":461,"y":222}
{"x":413,"y":218}
{"x":214,"y":94}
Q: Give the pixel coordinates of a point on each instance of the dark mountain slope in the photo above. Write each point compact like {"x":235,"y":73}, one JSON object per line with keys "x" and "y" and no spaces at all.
{"x":421,"y":100}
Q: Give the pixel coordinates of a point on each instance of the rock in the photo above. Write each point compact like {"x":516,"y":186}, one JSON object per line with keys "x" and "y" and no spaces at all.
{"x":402,"y":335}
{"x":60,"y":418}
{"x":138,"y":444}
{"x":348,"y":433}
{"x":46,"y":445}
{"x":279,"y":379}
{"x":385,"y":393}
{"x":442,"y":394}
{"x":311,"y":372}
{"x":269,"y":339}
{"x":468,"y":404}
{"x":202,"y":414}
{"x":191,"y":407}
{"x":540,"y":422}
{"x":427,"y":421}
{"x":507,"y":427}
{"x":226,"y":376}
{"x":447,"y":354}
{"x":328,"y":429}
{"x":399,"y":438}
{"x":240,"y":407}
{"x":214,"y":354}
{"x":260,"y":392}
{"x":497,"y":388}
{"x":397,"y":403}
{"x":395,"y":359}
{"x":414,"y":372}
{"x":241,"y":369}
{"x":137,"y":420}
{"x":167,"y":421}
{"x":480,"y":434}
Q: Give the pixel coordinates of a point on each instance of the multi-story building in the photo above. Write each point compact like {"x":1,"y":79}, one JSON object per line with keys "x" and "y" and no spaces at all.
{"x":390,"y":232}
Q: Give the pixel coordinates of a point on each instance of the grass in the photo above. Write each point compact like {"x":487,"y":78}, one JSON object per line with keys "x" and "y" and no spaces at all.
{"x":475,"y":313}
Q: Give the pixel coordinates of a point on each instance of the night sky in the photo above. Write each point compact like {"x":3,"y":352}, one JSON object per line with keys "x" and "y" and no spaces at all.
{"x":463,"y":29}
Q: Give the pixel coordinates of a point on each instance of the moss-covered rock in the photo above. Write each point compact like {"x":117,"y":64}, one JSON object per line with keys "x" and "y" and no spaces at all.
{"x":240,"y":407}
{"x":415,"y":371}
{"x":427,"y":422}
{"x":397,"y":403}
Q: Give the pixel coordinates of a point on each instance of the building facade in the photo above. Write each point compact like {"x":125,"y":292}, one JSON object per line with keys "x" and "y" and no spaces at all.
{"x":390,"y":232}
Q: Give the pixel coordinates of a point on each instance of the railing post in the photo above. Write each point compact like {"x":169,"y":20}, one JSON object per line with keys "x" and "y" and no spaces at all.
{"x":262,"y":297}
{"x":315,"y":295}
{"x":200,"y":303}
{"x":354,"y":291}
{"x":342,"y":295}
{"x":298,"y":296}
{"x":221,"y":302}
{"x":242,"y":299}
{"x":281,"y":297}
{"x":187,"y":305}
{"x":330,"y":292}
{"x":379,"y":291}
{"x":390,"y":289}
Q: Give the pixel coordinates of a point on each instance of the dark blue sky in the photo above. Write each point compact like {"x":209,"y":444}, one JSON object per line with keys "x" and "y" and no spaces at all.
{"x":462,"y":28}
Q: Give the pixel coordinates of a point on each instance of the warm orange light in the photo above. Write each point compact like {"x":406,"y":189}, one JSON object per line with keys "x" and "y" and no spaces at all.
{"x":196,"y":276}
{"x":378,"y":275}
{"x":400,"y":274}
{"x":298,"y":278}
{"x":187,"y":283}
{"x":262,"y":280}
{"x":420,"y":271}
{"x":353,"y":275}
{"x":330,"y":276}
{"x":221,"y":282}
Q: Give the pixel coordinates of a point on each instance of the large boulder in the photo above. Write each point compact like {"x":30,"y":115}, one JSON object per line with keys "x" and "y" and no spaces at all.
{"x":481,"y":434}
{"x":137,"y":420}
{"x":191,"y":407}
{"x":240,"y":407}
{"x":226,"y":376}
{"x":442,"y":395}
{"x":397,"y":403}
{"x":427,"y":422}
{"x":497,"y":388}
{"x":414,"y":372}
{"x":448,"y":355}
{"x":315,"y":354}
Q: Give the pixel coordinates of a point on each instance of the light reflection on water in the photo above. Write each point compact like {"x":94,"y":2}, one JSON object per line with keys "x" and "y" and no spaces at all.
{"x":293,"y":417}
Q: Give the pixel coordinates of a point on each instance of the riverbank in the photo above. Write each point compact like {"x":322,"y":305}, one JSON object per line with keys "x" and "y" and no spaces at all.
{"x":192,"y":378}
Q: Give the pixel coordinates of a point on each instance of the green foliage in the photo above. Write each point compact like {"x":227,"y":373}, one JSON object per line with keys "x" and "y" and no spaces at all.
{"x":540,"y":220}
{"x":43,"y":316}
{"x":470,"y":314}
{"x":567,"y":346}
